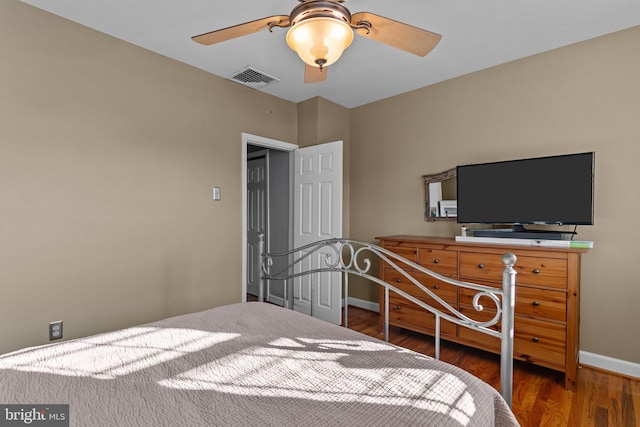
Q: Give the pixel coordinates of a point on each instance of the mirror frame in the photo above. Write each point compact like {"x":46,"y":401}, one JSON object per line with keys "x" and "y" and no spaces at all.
{"x":436,"y":177}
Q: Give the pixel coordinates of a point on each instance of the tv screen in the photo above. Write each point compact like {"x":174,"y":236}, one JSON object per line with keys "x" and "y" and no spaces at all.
{"x":543,"y":190}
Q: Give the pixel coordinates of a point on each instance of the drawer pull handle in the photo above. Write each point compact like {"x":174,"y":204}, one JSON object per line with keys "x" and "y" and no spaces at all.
{"x":436,"y":261}
{"x":535,"y":303}
{"x":397,"y":308}
{"x":398,"y":280}
{"x":480,"y":265}
{"x":535,"y":339}
{"x":436,"y":286}
{"x":536,"y":271}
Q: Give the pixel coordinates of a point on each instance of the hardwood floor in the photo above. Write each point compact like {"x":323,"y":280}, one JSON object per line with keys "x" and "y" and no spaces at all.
{"x":539,"y":399}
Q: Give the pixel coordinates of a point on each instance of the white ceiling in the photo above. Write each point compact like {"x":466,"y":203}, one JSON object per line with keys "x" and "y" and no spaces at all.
{"x":476,"y":34}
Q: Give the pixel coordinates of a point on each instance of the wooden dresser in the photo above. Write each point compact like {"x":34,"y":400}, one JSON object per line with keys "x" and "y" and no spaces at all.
{"x":547,"y":311}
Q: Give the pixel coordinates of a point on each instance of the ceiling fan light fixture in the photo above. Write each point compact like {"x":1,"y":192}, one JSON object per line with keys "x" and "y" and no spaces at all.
{"x":320,"y":41}
{"x":320,"y":31}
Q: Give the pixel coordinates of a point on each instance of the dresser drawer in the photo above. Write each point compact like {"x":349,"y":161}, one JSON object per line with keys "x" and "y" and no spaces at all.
{"x":408,"y":252}
{"x":541,"y":303}
{"x":444,"y":290}
{"x":530,"y":302}
{"x":540,"y":342}
{"x":479,"y":339}
{"x":439,"y":261}
{"x":539,"y":271}
{"x":535,"y":341}
{"x":408,"y":315}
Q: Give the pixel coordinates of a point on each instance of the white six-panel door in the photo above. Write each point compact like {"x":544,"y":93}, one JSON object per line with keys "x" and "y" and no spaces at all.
{"x":318,"y":216}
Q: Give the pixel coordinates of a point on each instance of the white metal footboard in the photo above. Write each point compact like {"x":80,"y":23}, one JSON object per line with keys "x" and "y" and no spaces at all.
{"x":353,"y":257}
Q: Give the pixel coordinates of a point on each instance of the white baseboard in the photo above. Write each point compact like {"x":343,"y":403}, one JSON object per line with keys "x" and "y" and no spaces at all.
{"x":367,"y":305}
{"x":610,"y":364}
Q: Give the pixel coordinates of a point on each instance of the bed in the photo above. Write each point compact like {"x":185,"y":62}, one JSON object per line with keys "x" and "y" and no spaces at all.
{"x":247,"y":364}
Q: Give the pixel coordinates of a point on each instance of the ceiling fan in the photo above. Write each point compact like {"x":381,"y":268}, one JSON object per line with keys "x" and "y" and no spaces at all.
{"x":322,"y":29}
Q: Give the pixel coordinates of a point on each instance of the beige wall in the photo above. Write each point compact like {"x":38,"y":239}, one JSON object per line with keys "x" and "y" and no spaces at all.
{"x":578,"y":98}
{"x":321,"y":121}
{"x":108,"y":154}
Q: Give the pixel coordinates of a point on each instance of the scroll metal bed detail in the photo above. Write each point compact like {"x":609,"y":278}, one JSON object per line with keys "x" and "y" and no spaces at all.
{"x":351,"y":257}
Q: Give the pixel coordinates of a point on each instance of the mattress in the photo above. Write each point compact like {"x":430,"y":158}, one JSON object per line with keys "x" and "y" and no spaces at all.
{"x":246,"y":364}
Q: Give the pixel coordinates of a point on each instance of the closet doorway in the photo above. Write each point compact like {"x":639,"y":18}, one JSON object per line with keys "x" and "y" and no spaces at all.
{"x":268,"y":213}
{"x":267,"y":208}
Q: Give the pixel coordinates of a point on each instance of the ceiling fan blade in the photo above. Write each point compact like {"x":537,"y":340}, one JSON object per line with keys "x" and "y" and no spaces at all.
{"x":397,"y":34}
{"x":314,"y":74}
{"x":229,"y":33}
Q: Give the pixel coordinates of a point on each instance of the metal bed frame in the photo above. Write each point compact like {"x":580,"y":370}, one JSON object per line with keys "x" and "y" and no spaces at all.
{"x":351,"y":257}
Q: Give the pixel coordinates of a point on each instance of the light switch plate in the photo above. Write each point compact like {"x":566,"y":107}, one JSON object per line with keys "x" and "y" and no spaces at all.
{"x":216,"y":193}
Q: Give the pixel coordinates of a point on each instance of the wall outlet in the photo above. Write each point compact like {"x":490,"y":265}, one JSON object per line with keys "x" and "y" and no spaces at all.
{"x":55,"y":330}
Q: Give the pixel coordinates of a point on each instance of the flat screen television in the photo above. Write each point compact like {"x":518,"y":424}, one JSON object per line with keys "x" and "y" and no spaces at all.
{"x":545,"y":190}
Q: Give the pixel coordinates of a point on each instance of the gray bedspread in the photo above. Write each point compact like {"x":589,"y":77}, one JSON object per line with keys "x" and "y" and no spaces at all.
{"x":246,"y":364}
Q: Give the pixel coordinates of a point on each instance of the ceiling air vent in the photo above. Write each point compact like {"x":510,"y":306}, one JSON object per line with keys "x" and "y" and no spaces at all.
{"x":251,"y":77}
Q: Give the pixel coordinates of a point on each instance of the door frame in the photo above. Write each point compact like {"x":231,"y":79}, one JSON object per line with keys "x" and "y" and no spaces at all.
{"x":249,"y":139}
